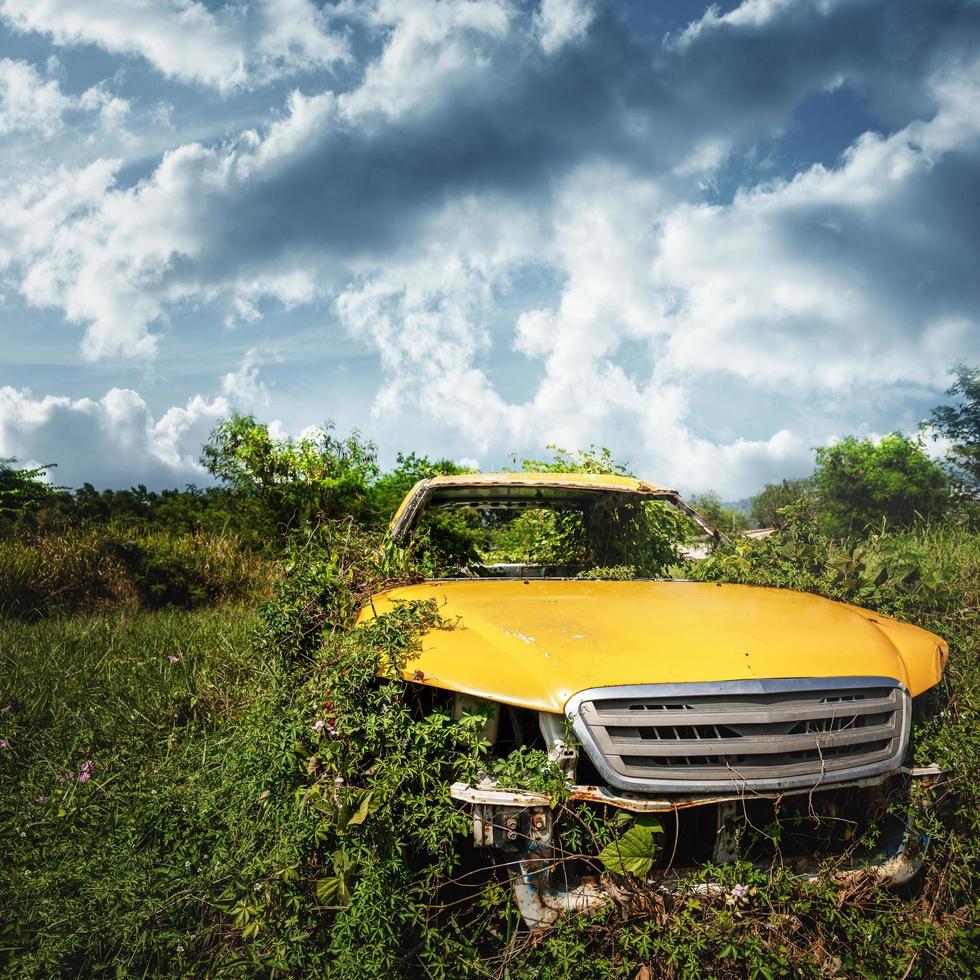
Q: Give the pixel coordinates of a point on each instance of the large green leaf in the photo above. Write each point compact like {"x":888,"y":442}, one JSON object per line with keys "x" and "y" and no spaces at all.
{"x":633,"y":853}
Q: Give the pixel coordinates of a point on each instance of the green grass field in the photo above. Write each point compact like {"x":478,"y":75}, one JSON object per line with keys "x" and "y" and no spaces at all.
{"x":157,"y":766}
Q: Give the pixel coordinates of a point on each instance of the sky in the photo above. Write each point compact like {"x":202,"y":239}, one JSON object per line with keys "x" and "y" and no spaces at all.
{"x":709,"y":237}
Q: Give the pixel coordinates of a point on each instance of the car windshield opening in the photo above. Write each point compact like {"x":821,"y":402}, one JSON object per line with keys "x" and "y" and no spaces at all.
{"x":595,"y":535}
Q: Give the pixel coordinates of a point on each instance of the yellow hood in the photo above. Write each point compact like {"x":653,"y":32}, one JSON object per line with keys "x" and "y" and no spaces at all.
{"x":536,"y":643}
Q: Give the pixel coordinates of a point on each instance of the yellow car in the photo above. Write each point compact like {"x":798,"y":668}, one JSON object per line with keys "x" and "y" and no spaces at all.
{"x":726,"y":710}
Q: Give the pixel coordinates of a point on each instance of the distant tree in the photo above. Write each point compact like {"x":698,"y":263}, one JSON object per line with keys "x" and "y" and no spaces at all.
{"x":294,"y":481}
{"x":766,"y":506}
{"x":960,"y":424}
{"x":591,"y":460}
{"x":23,"y":491}
{"x":728,"y":519}
{"x":862,"y":483}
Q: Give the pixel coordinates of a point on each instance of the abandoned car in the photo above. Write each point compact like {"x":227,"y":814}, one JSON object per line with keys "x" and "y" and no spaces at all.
{"x":722,"y":711}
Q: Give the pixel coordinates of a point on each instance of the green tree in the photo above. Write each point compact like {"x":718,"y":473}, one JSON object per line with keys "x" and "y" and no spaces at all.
{"x":640,"y":535}
{"x":591,"y":460}
{"x":23,"y":491}
{"x":767,"y":506}
{"x":862,"y":483}
{"x":709,"y":505}
{"x":296,"y":482}
{"x":960,"y":424}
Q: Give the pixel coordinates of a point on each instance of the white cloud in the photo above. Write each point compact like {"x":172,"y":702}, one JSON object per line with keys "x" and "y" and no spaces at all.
{"x":117,"y":440}
{"x":35,"y":105}
{"x":28,"y":101}
{"x":243,"y":388}
{"x":432,"y":47}
{"x":828,"y":279}
{"x":228,"y":48}
{"x":110,"y":441}
{"x":561,"y":22}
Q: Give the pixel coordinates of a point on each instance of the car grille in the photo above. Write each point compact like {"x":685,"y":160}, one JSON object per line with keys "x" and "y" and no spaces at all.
{"x":758,"y":734}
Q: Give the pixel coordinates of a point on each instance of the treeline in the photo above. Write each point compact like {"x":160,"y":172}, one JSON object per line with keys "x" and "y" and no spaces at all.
{"x":859,"y":485}
{"x":268,"y":487}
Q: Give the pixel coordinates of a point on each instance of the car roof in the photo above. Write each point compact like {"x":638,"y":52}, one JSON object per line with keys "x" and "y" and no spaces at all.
{"x":509,"y":489}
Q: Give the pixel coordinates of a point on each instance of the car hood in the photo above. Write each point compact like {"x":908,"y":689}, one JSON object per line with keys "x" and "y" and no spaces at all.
{"x":536,"y":643}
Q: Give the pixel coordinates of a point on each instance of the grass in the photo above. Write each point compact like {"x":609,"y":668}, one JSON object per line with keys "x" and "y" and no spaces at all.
{"x":194,"y":846}
{"x":150,"y":702}
{"x":100,"y":568}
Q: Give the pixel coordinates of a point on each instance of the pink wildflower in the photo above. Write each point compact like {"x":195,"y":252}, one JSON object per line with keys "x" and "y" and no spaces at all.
{"x":85,"y":773}
{"x":318,"y":725}
{"x":173,"y":658}
{"x":4,"y":744}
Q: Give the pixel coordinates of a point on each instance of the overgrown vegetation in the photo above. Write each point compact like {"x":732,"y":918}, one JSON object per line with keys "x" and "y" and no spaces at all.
{"x":224,"y":791}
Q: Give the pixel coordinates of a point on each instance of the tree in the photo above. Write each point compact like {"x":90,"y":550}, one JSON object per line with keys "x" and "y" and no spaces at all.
{"x":23,"y":491}
{"x":295,"y":482}
{"x":766,"y":506}
{"x":724,"y":518}
{"x":862,"y":483}
{"x":960,"y":424}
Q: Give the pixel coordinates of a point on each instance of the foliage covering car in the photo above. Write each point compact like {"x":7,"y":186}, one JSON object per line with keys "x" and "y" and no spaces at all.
{"x":718,"y":721}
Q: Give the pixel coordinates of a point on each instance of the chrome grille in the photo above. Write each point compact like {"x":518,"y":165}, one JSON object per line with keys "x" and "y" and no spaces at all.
{"x":756,"y":734}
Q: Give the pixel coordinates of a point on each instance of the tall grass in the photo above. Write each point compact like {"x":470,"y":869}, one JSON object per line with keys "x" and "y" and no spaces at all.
{"x":205,"y":837}
{"x":104,"y":567}
{"x":123,"y":749}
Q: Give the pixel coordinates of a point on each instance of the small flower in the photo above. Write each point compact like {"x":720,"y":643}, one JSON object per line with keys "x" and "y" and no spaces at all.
{"x":739,"y":895}
{"x":318,"y":725}
{"x":5,"y":709}
{"x":180,"y":949}
{"x":173,"y":658}
{"x":4,"y":744}
{"x":85,"y":773}
{"x":40,"y":799}
{"x":339,"y":781}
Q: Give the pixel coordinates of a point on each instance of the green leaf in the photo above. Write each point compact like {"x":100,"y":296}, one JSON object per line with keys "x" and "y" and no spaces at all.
{"x":633,"y":853}
{"x":333,"y":891}
{"x":362,"y":811}
{"x":650,"y":821}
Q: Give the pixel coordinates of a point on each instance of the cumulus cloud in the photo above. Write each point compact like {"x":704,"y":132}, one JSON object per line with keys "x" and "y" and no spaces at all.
{"x":28,"y":101}
{"x":563,"y":21}
{"x":116,"y":440}
{"x":33,"y":104}
{"x":113,"y":440}
{"x":231,"y":47}
{"x":483,"y":143}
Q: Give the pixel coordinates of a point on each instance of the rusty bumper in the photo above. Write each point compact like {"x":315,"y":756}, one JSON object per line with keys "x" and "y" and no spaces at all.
{"x":520,"y":827}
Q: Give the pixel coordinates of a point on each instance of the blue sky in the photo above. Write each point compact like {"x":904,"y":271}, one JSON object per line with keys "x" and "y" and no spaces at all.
{"x":708,"y":237}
